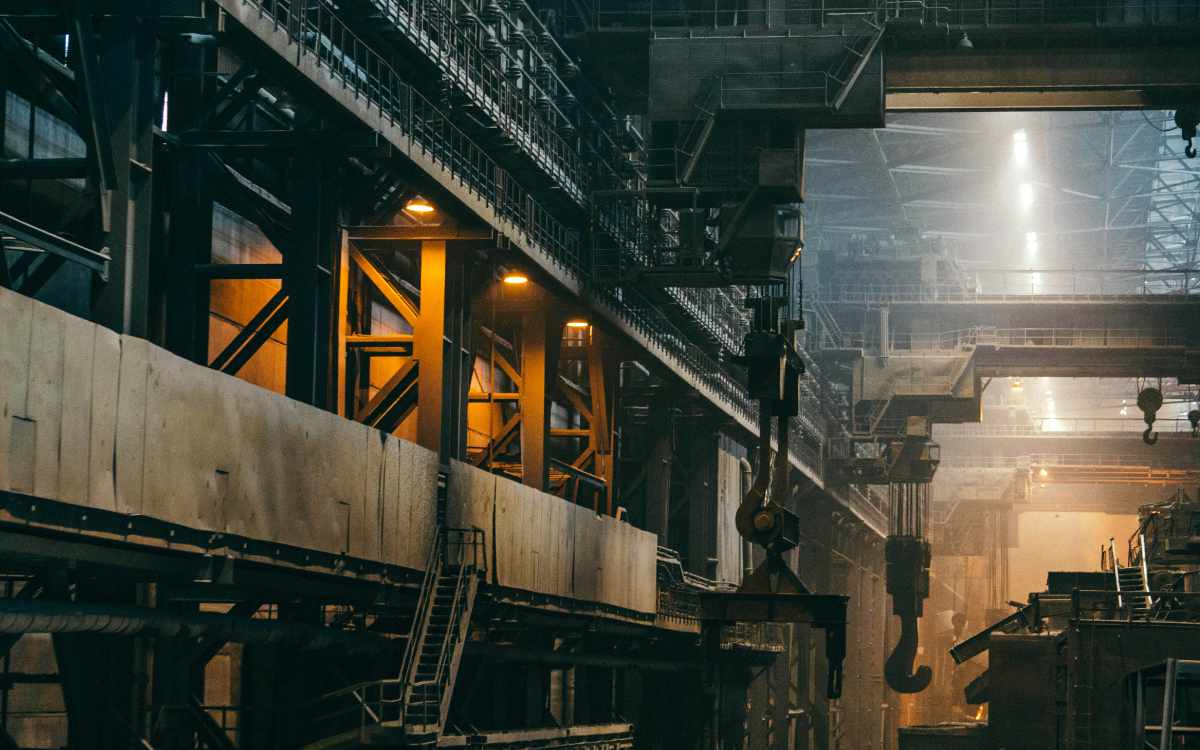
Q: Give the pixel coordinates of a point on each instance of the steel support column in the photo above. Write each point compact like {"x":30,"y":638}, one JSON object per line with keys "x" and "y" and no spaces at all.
{"x":541,"y":341}
{"x":701,"y":490}
{"x":190,"y":215}
{"x":313,"y":248}
{"x":602,"y":379}
{"x":430,"y":346}
{"x":127,"y":53}
{"x":657,"y":490}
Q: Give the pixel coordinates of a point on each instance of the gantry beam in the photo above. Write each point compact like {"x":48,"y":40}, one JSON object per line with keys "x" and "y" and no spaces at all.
{"x":1119,"y":77}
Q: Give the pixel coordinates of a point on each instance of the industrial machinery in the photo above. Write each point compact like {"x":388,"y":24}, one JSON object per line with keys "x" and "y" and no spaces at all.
{"x":906,"y":463}
{"x":908,"y":556}
{"x":773,"y":592}
{"x":1149,"y":400}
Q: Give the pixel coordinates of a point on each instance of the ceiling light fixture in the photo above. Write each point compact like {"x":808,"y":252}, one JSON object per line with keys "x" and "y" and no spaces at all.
{"x":1020,"y":147}
{"x":1025,"y":195}
{"x":515,"y":279}
{"x":419,"y":205}
{"x":965,"y":42}
{"x":577,"y":323}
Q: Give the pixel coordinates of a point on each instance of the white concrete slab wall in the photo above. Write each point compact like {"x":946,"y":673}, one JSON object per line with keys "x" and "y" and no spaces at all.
{"x":537,"y":542}
{"x":96,"y":419}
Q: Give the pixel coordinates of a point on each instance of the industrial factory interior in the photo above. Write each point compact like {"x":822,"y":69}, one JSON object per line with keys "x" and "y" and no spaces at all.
{"x":599,"y":374}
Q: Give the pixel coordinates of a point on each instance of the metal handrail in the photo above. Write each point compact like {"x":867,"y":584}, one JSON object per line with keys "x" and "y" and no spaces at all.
{"x":369,"y":78}
{"x":968,"y":338}
{"x":1066,"y":427}
{"x":465,"y":62}
{"x":433,"y":568}
{"x":666,"y":15}
{"x":950,"y":293}
{"x":1080,"y":597}
{"x":1112,"y":549}
{"x":1054,"y":459}
{"x":432,"y":690}
{"x":1145,"y":570}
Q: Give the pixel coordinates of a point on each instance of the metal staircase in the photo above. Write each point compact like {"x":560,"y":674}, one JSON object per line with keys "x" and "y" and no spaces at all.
{"x":1133,"y":584}
{"x":863,"y":31}
{"x":692,"y":141}
{"x":440,"y":631}
{"x":826,"y":330}
{"x":410,"y":710}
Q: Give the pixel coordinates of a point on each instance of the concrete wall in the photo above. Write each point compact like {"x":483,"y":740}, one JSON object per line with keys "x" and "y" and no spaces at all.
{"x":538,"y":542}
{"x":97,"y":419}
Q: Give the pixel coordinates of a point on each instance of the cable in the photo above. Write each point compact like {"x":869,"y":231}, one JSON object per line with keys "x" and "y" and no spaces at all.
{"x":1151,"y":123}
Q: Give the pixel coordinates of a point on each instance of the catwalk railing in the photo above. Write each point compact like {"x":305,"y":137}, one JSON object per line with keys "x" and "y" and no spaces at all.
{"x":1071,"y":427}
{"x":1064,"y":460}
{"x":530,"y":115}
{"x":1109,"y":606}
{"x":969,"y":338}
{"x":1182,"y":290}
{"x":675,"y":14}
{"x":369,"y":79}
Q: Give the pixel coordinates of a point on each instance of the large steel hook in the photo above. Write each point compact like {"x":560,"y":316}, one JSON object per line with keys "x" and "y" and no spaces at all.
{"x":900,"y":669}
{"x":908,"y":582}
{"x":1149,"y":400}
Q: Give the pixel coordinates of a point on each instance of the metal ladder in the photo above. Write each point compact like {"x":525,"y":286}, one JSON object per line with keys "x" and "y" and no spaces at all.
{"x":690,"y":145}
{"x":829,"y":332}
{"x":441,"y":623}
{"x":858,"y":50}
{"x":1133,"y":584}
{"x":411,"y":708}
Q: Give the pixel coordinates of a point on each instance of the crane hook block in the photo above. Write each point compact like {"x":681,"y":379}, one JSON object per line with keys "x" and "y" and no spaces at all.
{"x":908,"y":583}
{"x":1149,"y":400}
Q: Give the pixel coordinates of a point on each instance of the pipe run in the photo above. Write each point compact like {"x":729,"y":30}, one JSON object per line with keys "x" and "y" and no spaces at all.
{"x":19,"y":617}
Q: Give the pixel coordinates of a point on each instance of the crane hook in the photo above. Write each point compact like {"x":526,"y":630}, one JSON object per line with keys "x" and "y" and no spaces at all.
{"x":1149,"y":400}
{"x":900,"y":670}
{"x":908,"y":582}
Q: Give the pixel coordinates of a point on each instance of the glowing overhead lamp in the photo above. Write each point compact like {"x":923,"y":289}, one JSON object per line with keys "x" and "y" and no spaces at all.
{"x":515,"y":278}
{"x":418,"y":205}
{"x":1020,"y":147}
{"x":578,"y":323}
{"x":1043,"y":473}
{"x":1031,"y":244}
{"x":1025,"y":195}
